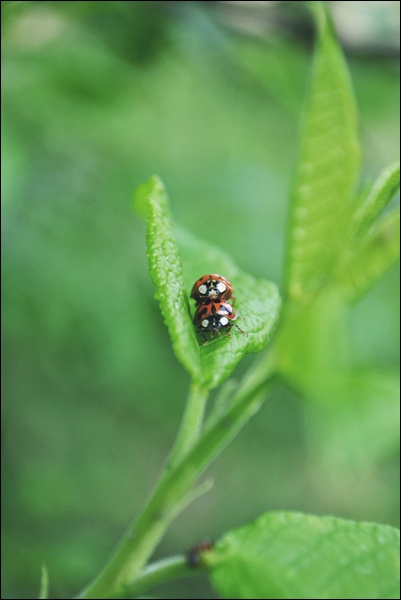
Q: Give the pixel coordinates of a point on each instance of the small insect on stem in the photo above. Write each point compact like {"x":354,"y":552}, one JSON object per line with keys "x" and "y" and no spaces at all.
{"x":194,"y":554}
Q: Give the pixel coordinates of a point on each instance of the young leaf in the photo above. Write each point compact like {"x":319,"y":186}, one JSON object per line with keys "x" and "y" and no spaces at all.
{"x":209,"y":364}
{"x":327,"y":168}
{"x":257,"y":306}
{"x":373,"y":255}
{"x":377,"y":199}
{"x":373,"y":243}
{"x":166,"y":273}
{"x":290,"y":555}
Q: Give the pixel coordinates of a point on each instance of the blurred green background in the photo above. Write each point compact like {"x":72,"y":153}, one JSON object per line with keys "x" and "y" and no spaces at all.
{"x":97,"y":96}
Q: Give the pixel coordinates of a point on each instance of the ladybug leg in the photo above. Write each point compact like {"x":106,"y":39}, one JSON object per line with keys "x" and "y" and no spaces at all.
{"x":241,"y":330}
{"x":205,"y":339}
{"x":199,"y":331}
{"x":232,"y":301}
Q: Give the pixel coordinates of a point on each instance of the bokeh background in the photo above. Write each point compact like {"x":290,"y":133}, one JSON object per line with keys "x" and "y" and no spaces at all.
{"x":97,"y":96}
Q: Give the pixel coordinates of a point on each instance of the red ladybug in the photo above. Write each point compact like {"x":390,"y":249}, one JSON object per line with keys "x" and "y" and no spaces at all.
{"x":213,"y":315}
{"x":212,"y":287}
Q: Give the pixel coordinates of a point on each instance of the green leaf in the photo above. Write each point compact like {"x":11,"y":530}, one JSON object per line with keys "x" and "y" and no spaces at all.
{"x":373,"y":255}
{"x":291,"y":555}
{"x":166,"y":273}
{"x":380,"y":194}
{"x":257,"y":305}
{"x":209,"y":364}
{"x":311,"y":344}
{"x":374,"y":239}
{"x":327,"y":169}
{"x":357,"y":428}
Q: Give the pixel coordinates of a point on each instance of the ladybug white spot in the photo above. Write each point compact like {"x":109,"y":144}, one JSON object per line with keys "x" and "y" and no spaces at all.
{"x":205,"y":322}
{"x":202,"y":289}
{"x":223,"y":321}
{"x":221,"y":287}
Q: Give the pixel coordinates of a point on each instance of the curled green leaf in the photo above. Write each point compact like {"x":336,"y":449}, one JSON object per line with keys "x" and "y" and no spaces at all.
{"x":166,"y":273}
{"x":258,"y":314}
{"x":257,"y":306}
{"x":257,"y":301}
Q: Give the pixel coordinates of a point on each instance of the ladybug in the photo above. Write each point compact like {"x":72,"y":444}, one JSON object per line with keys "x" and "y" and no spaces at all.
{"x":213,"y":315}
{"x":212,"y":287}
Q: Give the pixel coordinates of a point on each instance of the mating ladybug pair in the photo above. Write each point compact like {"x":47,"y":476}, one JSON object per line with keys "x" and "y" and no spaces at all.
{"x":213,"y":312}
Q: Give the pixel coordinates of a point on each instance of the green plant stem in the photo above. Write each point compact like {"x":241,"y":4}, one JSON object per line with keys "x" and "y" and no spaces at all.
{"x":44,"y":584}
{"x":162,"y":571}
{"x":192,"y":421}
{"x":171,"y":493}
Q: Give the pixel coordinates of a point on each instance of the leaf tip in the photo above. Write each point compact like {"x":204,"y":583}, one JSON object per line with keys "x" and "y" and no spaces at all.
{"x":143,"y":193}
